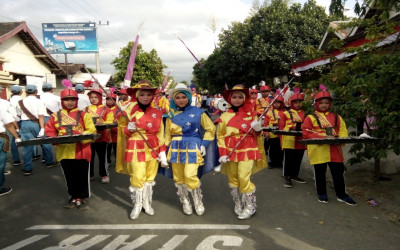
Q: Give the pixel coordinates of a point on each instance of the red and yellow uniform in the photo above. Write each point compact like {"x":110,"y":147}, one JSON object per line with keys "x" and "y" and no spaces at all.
{"x":140,"y":145}
{"x":240,"y":161}
{"x":293,"y":151}
{"x":74,"y":157}
{"x":290,"y":121}
{"x":85,"y":126}
{"x":273,"y":119}
{"x":249,"y":157}
{"x":322,"y":153}
{"x":161,"y":103}
{"x":114,"y":131}
{"x":261,"y":105}
{"x":102,"y":115}
{"x":137,"y":152}
{"x":324,"y":124}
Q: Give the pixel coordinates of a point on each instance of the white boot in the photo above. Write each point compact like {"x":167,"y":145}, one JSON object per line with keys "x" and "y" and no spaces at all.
{"x":148,"y":197}
{"x":184,"y":198}
{"x":197,"y":200}
{"x":137,"y":201}
{"x":237,"y":199}
{"x":249,"y":205}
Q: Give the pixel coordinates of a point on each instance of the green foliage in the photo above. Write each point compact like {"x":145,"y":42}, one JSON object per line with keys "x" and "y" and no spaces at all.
{"x":263,"y":46}
{"x":148,"y":66}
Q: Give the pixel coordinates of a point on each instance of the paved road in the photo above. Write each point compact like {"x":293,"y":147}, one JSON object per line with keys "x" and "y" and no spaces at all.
{"x":32,"y":217}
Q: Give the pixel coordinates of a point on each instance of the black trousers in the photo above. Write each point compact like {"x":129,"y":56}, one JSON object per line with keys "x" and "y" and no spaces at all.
{"x":291,"y":161}
{"x":337,"y":172}
{"x":111,"y":147}
{"x":76,"y":175}
{"x":266,"y":146}
{"x":275,"y":152}
{"x":100,"y":149}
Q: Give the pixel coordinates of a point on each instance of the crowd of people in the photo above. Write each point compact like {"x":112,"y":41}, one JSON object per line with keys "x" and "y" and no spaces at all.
{"x":178,"y":134}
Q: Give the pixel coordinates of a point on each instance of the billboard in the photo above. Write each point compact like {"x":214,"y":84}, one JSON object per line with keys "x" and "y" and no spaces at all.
{"x":69,"y":38}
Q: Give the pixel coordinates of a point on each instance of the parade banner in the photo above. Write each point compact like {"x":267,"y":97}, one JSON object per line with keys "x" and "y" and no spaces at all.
{"x":69,"y":38}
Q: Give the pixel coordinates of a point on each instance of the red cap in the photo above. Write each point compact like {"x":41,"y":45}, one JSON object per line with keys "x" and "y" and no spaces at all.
{"x":123,"y":92}
{"x":322,"y":94}
{"x":265,"y":88}
{"x":297,"y":97}
{"x":68,"y":93}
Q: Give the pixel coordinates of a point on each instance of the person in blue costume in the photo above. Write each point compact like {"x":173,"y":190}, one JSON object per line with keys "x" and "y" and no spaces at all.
{"x":188,"y":134}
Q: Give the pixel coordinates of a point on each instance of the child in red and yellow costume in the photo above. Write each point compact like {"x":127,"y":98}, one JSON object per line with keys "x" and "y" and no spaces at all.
{"x":272,"y":119}
{"x":100,"y":115}
{"x":324,"y":124}
{"x":249,"y":156}
{"x":140,"y":161}
{"x":293,"y":151}
{"x":74,"y":157}
{"x":112,"y":145}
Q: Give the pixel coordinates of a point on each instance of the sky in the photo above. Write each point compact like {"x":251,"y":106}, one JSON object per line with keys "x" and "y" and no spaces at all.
{"x":158,"y":22}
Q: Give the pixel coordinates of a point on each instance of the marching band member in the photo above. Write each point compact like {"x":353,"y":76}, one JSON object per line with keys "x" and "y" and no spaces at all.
{"x":263,"y":101}
{"x":248,"y":158}
{"x":140,"y":161}
{"x":160,"y":102}
{"x":196,"y":98}
{"x":253,"y":98}
{"x":112,"y":145}
{"x":74,"y":157}
{"x":324,"y":124}
{"x":123,"y":99}
{"x":100,"y":115}
{"x":272,"y":119}
{"x":293,"y":151}
{"x":187,"y":145}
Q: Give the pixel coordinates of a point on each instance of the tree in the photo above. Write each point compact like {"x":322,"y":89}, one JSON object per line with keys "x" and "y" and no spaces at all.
{"x":148,"y":66}
{"x":264,"y":45}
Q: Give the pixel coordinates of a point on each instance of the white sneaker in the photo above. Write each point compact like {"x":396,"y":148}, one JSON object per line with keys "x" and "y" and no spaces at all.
{"x":105,"y":179}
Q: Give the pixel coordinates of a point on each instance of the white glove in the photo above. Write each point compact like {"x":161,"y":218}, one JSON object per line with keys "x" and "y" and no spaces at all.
{"x":18,"y":140}
{"x":256,"y":125}
{"x":162,"y":158}
{"x":41,"y":133}
{"x":223,"y":159}
{"x":131,"y":126}
{"x":203,"y":150}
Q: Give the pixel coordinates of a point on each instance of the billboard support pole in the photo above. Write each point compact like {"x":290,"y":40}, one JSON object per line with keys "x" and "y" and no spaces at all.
{"x":66,"y":65}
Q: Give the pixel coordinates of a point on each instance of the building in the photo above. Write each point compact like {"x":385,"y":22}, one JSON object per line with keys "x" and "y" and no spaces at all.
{"x":23,"y":60}
{"x":352,"y":37}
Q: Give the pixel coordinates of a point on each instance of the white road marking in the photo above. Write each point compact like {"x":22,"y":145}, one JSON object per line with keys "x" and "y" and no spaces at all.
{"x":227,"y":240}
{"x":174,"y":242}
{"x":69,"y":243}
{"x":26,"y":242}
{"x":120,"y":241}
{"x":142,"y":227}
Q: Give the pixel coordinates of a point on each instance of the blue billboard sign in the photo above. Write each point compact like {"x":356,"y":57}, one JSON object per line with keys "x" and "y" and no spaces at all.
{"x":69,"y":38}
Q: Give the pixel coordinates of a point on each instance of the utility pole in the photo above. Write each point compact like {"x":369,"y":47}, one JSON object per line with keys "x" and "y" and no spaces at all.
{"x":97,"y":55}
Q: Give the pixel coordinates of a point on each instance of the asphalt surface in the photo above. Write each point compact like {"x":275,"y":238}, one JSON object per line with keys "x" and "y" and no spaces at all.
{"x":33,"y":217}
